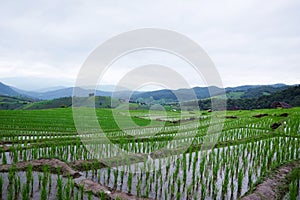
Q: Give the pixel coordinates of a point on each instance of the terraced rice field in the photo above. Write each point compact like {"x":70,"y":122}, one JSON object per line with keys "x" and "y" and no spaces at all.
{"x":42,"y":156}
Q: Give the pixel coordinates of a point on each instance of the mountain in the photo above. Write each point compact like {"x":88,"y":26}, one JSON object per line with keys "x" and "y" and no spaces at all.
{"x":47,"y":89}
{"x":26,"y":93}
{"x":241,"y":88}
{"x":262,"y":90}
{"x":111,"y":88}
{"x":244,"y":88}
{"x":165,"y":95}
{"x":65,"y":92}
{"x":68,"y":92}
{"x":8,"y":91}
{"x":33,"y":83}
{"x":245,"y":91}
{"x":244,"y":97}
{"x":290,"y":95}
{"x":65,"y":102}
{"x":177,"y":95}
{"x":253,"y":91}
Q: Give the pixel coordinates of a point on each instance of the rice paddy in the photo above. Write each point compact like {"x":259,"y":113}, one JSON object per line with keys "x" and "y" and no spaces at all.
{"x":159,"y":165}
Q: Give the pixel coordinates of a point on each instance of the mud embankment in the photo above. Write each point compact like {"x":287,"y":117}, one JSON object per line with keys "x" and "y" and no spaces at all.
{"x":271,"y":187}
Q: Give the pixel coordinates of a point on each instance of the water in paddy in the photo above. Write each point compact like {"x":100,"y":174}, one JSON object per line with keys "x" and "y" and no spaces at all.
{"x":214,"y":174}
{"x":184,"y":175}
{"x":35,"y":193}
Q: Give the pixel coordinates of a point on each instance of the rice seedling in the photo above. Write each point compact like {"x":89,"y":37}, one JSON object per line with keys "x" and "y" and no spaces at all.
{"x":129,"y":183}
{"x":60,"y":188}
{"x":4,"y":160}
{"x":240,"y":181}
{"x":1,"y":186}
{"x":25,"y":193}
{"x":89,"y":195}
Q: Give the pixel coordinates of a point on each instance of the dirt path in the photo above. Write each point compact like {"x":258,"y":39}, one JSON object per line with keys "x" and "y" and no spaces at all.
{"x":89,"y":185}
{"x":270,"y":187}
{"x":96,"y":188}
{"x":37,"y":165}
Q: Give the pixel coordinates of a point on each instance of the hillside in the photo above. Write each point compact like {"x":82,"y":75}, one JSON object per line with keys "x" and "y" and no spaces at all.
{"x":261,"y":91}
{"x":291,"y":95}
{"x":68,"y":92}
{"x":167,"y":96}
{"x":12,"y":103}
{"x":8,"y":91}
{"x":100,"y":102}
{"x":65,"y":92}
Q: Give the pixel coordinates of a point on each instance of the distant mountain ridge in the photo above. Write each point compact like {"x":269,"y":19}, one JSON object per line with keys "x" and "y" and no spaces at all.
{"x":246,"y":91}
{"x":7,"y":90}
{"x":291,"y":95}
{"x":184,"y":94}
{"x":242,"y":97}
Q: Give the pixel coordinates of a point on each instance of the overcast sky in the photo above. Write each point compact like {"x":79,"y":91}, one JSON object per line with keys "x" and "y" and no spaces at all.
{"x":44,"y":44}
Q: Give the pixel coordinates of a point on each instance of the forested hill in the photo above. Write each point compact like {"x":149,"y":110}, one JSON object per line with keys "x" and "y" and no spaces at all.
{"x":290,"y":95}
{"x":262,"y":91}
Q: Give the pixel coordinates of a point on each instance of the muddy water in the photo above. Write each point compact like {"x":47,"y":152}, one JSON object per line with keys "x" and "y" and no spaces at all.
{"x":36,"y":195}
{"x":162,"y":184}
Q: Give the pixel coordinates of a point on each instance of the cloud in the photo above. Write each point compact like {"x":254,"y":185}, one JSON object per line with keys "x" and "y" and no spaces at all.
{"x":249,"y":41}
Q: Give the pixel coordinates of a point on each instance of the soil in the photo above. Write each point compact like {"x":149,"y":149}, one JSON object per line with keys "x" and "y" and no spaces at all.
{"x":96,"y":188}
{"x":271,"y":186}
{"x":231,"y":117}
{"x":260,"y":115}
{"x":37,"y":165}
{"x":275,"y":125}
{"x":284,"y":115}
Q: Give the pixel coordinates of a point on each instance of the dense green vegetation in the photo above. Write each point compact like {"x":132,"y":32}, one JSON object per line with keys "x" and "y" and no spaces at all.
{"x":11,"y":103}
{"x":262,"y":91}
{"x":290,"y":95}
{"x":245,"y":150}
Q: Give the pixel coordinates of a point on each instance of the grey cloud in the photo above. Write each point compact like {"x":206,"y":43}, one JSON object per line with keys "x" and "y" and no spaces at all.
{"x":257,"y":37}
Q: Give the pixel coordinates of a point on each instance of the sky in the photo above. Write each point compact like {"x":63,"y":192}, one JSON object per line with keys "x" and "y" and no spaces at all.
{"x":45,"y":43}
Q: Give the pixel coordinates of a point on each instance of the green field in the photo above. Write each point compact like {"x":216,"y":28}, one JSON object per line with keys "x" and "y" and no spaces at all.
{"x":222,"y":165}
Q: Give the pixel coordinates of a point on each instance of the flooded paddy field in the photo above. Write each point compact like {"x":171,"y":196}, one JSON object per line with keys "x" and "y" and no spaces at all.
{"x":163,"y":160}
